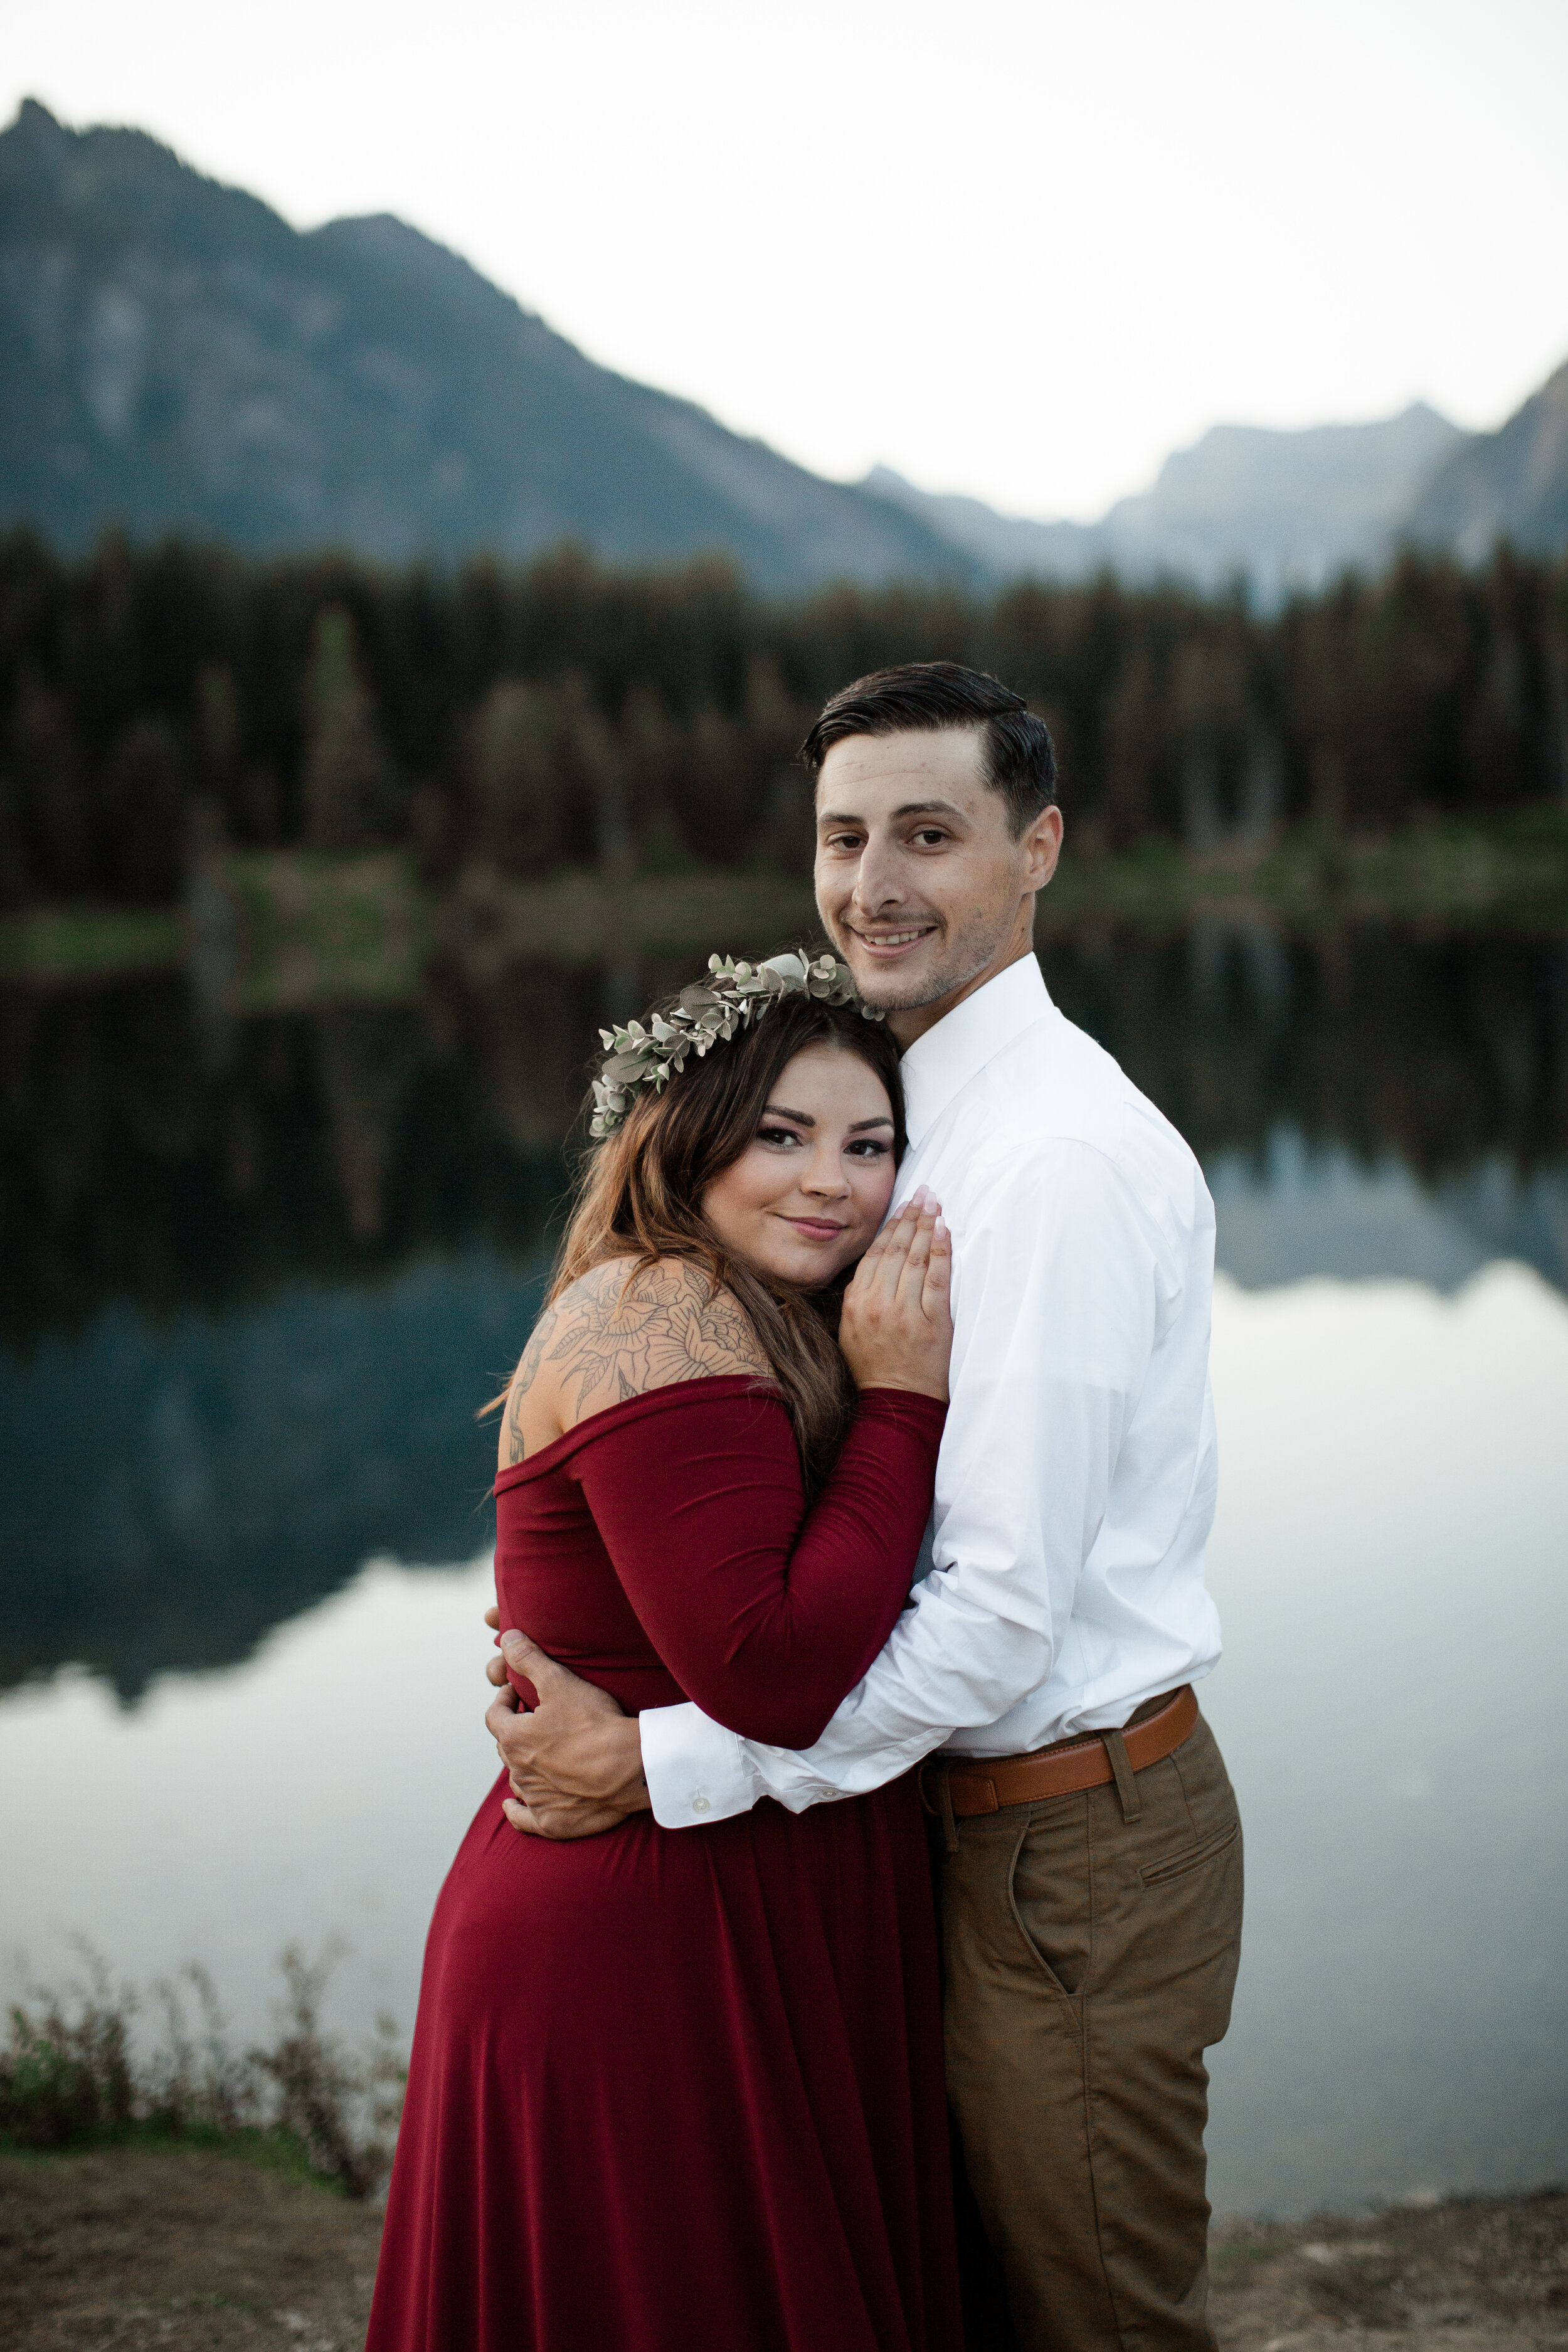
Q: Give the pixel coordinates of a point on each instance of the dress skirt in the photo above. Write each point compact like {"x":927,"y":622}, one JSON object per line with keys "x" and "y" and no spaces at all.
{"x":661,"y":2095}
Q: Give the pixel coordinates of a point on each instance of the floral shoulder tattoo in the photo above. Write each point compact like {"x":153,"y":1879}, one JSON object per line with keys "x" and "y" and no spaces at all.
{"x":613,"y":1339}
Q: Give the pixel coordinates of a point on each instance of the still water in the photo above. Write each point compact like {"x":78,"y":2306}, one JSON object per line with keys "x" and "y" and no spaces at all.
{"x":261,"y":1272}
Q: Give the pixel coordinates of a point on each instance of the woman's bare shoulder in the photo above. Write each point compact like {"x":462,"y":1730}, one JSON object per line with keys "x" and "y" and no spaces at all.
{"x":619,"y":1331}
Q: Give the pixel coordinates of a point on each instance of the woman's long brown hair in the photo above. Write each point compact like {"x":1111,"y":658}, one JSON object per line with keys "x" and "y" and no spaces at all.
{"x":640,"y":1195}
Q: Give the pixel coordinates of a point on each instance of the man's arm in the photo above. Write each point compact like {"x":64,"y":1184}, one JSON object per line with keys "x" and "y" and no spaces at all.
{"x":1057,"y":1307}
{"x":1057,"y":1312}
{"x":595,"y":1760}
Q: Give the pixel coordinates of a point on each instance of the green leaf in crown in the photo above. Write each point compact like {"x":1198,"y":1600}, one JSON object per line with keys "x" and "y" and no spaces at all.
{"x":707,"y":1013}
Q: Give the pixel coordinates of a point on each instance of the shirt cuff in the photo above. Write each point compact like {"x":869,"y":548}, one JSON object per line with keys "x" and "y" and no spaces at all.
{"x":695,"y":1770}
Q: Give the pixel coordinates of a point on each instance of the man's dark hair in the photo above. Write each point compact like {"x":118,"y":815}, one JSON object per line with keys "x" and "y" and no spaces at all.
{"x":1016,"y":755}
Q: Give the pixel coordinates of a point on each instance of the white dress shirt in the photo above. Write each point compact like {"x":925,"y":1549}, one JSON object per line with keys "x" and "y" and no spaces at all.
{"x":1075,"y":1487}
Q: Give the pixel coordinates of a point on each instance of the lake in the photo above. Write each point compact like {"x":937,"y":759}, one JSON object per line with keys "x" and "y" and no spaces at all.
{"x":261,"y":1271}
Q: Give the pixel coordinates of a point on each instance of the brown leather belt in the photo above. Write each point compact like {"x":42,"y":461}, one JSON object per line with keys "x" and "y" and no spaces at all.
{"x":980,"y":1786}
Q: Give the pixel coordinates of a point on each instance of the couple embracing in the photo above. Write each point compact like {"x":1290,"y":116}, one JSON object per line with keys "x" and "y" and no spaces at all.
{"x":791,"y":1629}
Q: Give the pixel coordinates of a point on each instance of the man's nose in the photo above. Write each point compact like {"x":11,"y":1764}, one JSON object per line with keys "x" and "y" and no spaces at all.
{"x":878,"y":879}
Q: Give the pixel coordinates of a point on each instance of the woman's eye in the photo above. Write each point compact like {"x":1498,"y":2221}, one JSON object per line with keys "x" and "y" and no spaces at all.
{"x":777,"y":1135}
{"x":870,"y":1149}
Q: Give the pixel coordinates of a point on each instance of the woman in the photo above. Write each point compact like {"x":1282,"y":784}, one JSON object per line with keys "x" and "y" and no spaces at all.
{"x":685,"y":2090}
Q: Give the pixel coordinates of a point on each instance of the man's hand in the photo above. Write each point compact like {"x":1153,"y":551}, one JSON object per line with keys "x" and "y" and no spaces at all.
{"x":574,"y":1760}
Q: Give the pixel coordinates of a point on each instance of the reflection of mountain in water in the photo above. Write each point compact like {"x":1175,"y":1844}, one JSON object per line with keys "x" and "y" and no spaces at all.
{"x":174,"y":1490}
{"x":261,"y":1274}
{"x":1302,"y":1213}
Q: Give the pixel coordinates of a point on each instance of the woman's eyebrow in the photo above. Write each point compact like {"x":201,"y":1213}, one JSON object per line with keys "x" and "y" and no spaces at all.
{"x":805,"y":1119}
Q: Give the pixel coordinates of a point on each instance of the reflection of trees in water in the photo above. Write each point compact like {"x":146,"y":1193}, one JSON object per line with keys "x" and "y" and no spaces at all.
{"x":152,"y":1158}
{"x":372,"y":1188}
{"x":158,"y":1159}
{"x":1438,"y":1052}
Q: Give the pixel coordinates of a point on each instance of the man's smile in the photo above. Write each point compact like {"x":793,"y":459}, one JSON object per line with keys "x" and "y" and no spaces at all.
{"x":887,"y":943}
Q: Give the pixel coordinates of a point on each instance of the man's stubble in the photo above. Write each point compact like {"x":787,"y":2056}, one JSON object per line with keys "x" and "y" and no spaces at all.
{"x":964,"y":957}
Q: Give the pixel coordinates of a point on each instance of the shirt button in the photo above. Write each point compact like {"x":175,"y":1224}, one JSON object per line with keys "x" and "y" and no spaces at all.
{"x":699,"y":1804}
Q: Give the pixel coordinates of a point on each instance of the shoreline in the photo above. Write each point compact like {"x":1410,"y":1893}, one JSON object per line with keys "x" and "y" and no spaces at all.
{"x":192,"y":2249}
{"x":274,"y":930}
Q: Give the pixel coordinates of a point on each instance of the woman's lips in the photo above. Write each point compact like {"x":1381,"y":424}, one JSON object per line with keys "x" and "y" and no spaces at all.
{"x":815,"y":1229}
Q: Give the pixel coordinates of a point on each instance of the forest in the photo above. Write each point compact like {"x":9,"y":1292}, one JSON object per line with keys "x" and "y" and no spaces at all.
{"x":570,"y":717}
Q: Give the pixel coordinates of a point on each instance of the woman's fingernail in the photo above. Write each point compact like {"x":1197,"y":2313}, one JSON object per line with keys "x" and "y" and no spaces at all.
{"x":942,"y":1233}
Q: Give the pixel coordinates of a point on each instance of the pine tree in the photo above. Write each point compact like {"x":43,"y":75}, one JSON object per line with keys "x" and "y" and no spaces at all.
{"x":349,"y":795}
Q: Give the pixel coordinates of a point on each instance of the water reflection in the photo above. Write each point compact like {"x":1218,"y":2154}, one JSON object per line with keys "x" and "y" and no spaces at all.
{"x":160,"y":1158}
{"x":261,"y":1272}
{"x":185,"y":1483}
{"x":1388,"y":1563}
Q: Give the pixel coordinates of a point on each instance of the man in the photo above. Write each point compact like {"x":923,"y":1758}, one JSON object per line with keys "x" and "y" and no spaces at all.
{"x":1089,"y":1878}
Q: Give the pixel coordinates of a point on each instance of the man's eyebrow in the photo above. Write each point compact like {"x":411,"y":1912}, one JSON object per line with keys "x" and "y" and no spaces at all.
{"x":907,"y":808}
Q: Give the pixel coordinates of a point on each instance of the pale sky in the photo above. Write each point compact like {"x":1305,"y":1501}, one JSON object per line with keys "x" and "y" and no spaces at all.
{"x":1023,"y":248}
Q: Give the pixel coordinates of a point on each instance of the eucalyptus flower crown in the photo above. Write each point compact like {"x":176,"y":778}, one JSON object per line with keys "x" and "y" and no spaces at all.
{"x":711,"y":1010}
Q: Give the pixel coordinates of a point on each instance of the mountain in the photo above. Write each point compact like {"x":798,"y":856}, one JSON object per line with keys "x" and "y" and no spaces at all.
{"x":1288,"y":510}
{"x":174,"y":356}
{"x":1008,"y":546}
{"x":1512,"y":484}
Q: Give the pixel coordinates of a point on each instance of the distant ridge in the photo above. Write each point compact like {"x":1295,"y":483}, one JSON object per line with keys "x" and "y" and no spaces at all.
{"x":1512,"y":484}
{"x":1286,"y":510}
{"x":174,"y":355}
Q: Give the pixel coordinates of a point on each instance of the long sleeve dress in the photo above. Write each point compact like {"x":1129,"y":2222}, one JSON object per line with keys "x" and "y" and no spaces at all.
{"x":673,"y":2090}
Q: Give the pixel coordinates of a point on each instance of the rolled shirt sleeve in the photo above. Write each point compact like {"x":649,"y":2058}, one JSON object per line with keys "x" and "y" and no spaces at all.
{"x":1063,"y":1285}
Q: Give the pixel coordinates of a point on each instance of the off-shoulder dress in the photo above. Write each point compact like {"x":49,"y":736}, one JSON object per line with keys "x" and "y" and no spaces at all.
{"x":676,"y":2089}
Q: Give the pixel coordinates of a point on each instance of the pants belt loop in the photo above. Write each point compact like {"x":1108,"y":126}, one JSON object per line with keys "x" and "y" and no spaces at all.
{"x":1126,"y":1779}
{"x":944,"y":1806}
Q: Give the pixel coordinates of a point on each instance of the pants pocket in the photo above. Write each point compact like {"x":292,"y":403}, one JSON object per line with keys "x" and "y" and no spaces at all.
{"x":1048,"y":1893}
{"x":1191,"y":1857}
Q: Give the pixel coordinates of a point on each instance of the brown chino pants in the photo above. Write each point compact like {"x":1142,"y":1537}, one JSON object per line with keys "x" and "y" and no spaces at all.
{"x":1089,"y":1952}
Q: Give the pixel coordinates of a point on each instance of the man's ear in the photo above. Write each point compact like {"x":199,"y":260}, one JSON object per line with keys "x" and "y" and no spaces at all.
{"x":1042,"y":845}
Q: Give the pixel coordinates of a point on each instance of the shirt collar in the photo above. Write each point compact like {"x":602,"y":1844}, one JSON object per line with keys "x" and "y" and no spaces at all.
{"x":961,"y":1043}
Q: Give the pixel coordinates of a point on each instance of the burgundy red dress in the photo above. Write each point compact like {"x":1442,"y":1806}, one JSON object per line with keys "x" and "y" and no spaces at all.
{"x":679,"y":2088}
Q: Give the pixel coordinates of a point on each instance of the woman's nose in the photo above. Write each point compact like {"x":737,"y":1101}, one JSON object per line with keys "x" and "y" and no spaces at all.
{"x":824,"y":1178}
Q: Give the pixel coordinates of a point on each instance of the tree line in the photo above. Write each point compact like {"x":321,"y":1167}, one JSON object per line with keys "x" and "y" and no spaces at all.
{"x":569,"y":715}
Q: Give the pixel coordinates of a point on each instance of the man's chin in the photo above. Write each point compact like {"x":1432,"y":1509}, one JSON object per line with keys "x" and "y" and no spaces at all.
{"x":904,"y":987}
{"x":893,"y":988}
{"x":889,"y":991}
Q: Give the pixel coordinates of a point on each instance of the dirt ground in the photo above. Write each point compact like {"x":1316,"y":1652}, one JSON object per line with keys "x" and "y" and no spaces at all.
{"x":1476,"y":2275}
{"x":129,"y":2251}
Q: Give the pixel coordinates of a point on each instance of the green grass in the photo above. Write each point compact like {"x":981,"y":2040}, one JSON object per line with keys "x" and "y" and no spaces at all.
{"x":75,"y":2073}
{"x":275,"y":2150}
{"x":310,"y":928}
{"x":1231,"y":2258}
{"x":81,"y":942}
{"x":1509,"y":872}
{"x":578,"y":917}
